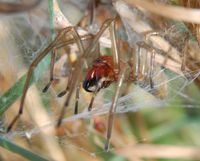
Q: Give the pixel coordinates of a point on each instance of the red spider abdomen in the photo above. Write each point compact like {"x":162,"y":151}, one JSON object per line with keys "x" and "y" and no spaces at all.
{"x":100,"y":75}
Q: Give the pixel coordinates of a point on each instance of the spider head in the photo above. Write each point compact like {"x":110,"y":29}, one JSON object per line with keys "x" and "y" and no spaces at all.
{"x":101,"y":75}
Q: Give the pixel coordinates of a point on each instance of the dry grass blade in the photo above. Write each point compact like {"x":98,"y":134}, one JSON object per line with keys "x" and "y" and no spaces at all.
{"x":79,"y":139}
{"x":40,"y":116}
{"x":173,"y":12}
{"x":6,"y":7}
{"x":160,"y":151}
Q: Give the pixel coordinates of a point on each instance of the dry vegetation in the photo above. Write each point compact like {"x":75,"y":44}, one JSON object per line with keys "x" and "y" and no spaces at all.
{"x":162,"y":126}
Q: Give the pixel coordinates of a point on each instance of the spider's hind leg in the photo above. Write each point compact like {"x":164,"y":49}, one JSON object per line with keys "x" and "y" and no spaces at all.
{"x":187,"y":63}
{"x":145,"y":68}
{"x":142,"y":70}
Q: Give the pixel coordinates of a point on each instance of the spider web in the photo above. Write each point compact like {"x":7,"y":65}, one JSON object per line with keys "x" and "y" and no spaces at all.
{"x":26,"y":36}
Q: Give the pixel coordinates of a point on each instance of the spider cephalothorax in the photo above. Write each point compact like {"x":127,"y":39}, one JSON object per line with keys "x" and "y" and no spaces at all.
{"x":101,"y":75}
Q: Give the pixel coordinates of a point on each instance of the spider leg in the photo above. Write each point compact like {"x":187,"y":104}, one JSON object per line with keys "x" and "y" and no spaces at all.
{"x":77,"y":99}
{"x":138,"y":62}
{"x":183,"y":64}
{"x":62,"y":93}
{"x":95,"y":55}
{"x":188,"y":64}
{"x":152,"y":59}
{"x":51,"y":72}
{"x":92,"y":100}
{"x":121,"y":78}
{"x":91,"y":6}
{"x":114,"y":46}
{"x":114,"y":106}
{"x":33,"y":66}
{"x":77,"y":71}
{"x":28,"y":79}
{"x":72,"y":40}
{"x":53,"y":55}
{"x":93,"y":96}
{"x":184,"y":58}
{"x":115,"y":50}
{"x":81,"y":49}
{"x":147,"y":36}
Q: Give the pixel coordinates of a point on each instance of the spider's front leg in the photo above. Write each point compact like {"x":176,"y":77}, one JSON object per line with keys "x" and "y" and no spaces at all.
{"x":76,"y":73}
{"x":34,"y":64}
{"x":104,"y":71}
{"x":28,"y":79}
{"x":101,"y":75}
{"x":53,"y":55}
{"x":79,"y":43}
{"x":113,"y":107}
{"x":84,"y":37}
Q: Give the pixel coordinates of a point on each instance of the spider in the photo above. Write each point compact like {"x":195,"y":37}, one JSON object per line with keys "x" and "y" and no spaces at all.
{"x":104,"y":71}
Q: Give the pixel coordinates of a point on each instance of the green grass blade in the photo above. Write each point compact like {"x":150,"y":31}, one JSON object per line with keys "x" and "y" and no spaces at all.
{"x":9,"y":97}
{"x":19,"y":150}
